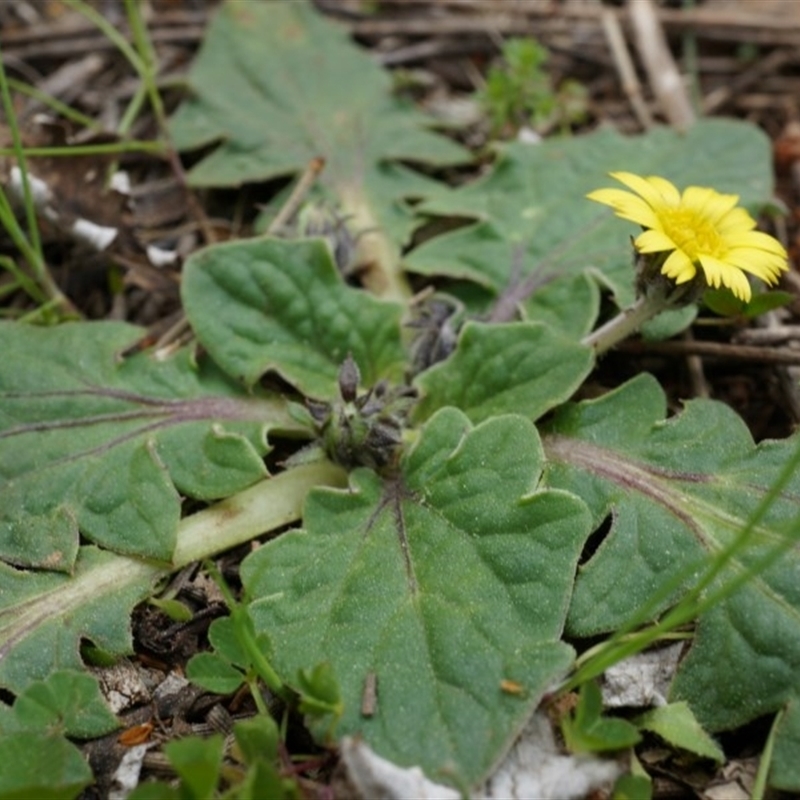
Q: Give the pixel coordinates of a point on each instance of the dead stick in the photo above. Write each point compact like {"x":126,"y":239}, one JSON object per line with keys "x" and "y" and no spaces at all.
{"x":301,"y":189}
{"x":625,"y":68}
{"x":654,"y":52}
{"x":733,"y":352}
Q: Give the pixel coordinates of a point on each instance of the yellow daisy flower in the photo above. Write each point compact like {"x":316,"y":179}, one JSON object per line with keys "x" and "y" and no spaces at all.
{"x":700,"y":228}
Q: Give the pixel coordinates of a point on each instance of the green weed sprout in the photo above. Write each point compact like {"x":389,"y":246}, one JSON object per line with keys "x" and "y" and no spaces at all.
{"x":519,"y":92}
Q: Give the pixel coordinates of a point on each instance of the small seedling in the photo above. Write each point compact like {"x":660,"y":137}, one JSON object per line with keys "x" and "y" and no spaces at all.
{"x":519,"y":91}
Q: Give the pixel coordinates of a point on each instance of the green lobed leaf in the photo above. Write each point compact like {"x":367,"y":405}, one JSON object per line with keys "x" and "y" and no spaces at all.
{"x":218,"y":671}
{"x":569,"y":306}
{"x":437,"y":585}
{"x":223,"y":637}
{"x":322,"y":95}
{"x":276,"y":85}
{"x":66,"y":702}
{"x":677,"y":492}
{"x":44,"y":615}
{"x":531,"y":208}
{"x":22,"y":776}
{"x":102,"y":447}
{"x":523,"y":368}
{"x":267,"y":304}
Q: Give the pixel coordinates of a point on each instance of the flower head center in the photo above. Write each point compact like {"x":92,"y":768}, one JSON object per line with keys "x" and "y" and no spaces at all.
{"x":691,"y":233}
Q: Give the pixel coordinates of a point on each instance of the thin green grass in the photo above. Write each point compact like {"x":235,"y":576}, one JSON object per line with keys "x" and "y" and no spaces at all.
{"x":36,"y":280}
{"x":628,"y":641}
{"x":39,"y":284}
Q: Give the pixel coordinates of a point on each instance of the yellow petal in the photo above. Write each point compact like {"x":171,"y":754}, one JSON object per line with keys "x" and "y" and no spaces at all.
{"x":698,"y":198}
{"x":713,"y":270}
{"x":679,"y":267}
{"x":757,"y":240}
{"x":669,"y":194}
{"x":736,"y":220}
{"x":718,"y":272}
{"x":712,"y":205}
{"x":766,"y":266}
{"x":656,"y":192}
{"x":737,"y":282}
{"x":654,"y":241}
{"x":626,"y":205}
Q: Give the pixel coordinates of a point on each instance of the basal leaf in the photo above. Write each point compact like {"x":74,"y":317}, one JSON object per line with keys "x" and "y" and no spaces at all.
{"x":439,"y":588}
{"x":678,"y":491}
{"x":93,"y":445}
{"x":268,"y":304}
{"x":569,"y":305}
{"x":44,"y":615}
{"x":322,"y":95}
{"x":531,"y":209}
{"x":523,"y":368}
{"x":278,"y":84}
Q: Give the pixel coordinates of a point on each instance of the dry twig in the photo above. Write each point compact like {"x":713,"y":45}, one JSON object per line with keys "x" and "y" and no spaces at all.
{"x":625,"y":68}
{"x":662,"y":71}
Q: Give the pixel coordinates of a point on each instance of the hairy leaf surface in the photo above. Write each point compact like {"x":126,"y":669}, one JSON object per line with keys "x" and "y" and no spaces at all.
{"x":41,"y":765}
{"x":45,"y":615}
{"x":278,"y":84}
{"x":268,"y":304}
{"x":524,"y":368}
{"x":94,"y":445}
{"x":444,"y":586}
{"x":678,"y":490}
{"x":533,"y":226}
{"x":67,"y":702}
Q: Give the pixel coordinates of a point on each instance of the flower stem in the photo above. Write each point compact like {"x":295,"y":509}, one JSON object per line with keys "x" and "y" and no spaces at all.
{"x":627,"y":322}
